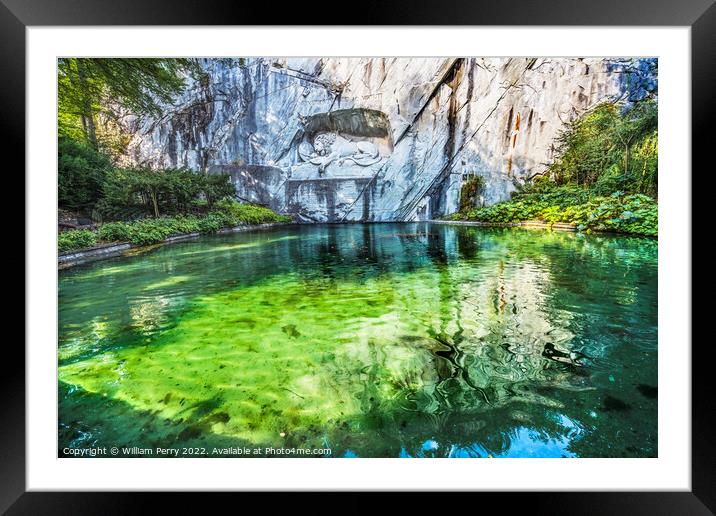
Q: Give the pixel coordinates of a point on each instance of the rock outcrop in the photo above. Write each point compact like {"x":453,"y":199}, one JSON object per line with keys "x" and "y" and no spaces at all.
{"x":379,"y":139}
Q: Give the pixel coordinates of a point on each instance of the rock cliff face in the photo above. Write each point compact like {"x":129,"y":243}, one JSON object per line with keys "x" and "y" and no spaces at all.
{"x":378,"y":139}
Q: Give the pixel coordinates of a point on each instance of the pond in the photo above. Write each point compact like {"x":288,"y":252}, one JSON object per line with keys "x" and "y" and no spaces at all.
{"x":371,"y":340}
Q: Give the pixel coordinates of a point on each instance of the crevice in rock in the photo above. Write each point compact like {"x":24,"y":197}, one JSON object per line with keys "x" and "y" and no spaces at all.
{"x":445,"y":172}
{"x":446,"y":78}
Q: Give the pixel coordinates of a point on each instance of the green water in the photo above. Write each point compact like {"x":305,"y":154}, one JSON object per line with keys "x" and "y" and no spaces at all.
{"x":383,"y":340}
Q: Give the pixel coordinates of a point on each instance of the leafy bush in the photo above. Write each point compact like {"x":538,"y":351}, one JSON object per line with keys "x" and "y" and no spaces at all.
{"x":114,"y":232}
{"x":129,"y":193}
{"x":75,"y":239}
{"x":150,"y":231}
{"x":470,"y":190}
{"x":81,"y":172}
{"x":215,"y":187}
{"x":200,"y":205}
{"x":213,"y":223}
{"x":238,"y":213}
{"x":613,"y":180}
{"x":228,"y":213}
{"x":635,"y":213}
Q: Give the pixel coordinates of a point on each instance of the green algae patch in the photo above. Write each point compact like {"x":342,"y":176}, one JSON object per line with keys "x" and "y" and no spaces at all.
{"x":269,"y":370}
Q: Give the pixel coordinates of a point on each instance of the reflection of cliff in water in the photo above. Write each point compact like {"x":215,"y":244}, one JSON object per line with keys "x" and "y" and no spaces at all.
{"x":482,"y":361}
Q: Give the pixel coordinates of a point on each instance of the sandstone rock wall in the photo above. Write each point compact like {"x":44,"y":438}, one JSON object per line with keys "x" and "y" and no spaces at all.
{"x":378,"y":139}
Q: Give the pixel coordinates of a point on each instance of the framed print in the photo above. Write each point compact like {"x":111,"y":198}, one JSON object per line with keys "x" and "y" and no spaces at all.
{"x":256,"y":252}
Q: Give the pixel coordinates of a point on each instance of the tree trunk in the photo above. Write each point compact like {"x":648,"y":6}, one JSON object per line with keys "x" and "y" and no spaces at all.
{"x":154,"y":204}
{"x":87,"y":113}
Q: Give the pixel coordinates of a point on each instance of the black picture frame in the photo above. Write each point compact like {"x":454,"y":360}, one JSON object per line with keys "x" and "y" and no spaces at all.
{"x":17,"y":15}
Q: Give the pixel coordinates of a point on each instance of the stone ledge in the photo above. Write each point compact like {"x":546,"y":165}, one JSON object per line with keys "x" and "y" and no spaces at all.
{"x":98,"y":252}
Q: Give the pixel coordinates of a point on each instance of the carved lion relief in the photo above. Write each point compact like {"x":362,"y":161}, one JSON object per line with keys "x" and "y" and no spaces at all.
{"x":349,"y":137}
{"x":331,"y":147}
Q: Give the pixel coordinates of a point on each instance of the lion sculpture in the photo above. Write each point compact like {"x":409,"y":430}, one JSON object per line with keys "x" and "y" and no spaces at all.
{"x":330,"y":147}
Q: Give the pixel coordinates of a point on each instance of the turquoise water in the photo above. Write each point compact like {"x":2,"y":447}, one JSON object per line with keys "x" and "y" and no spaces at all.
{"x":373,"y":340}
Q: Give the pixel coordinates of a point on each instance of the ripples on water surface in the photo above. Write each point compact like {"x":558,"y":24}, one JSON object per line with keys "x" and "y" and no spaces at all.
{"x":384,"y":340}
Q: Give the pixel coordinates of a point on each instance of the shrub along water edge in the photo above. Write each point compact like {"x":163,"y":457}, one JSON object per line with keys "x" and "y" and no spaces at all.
{"x":76,"y":239}
{"x":226,"y":213}
{"x":619,"y":212}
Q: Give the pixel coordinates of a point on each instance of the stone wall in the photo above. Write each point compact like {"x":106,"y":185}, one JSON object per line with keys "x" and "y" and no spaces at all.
{"x":377,"y":139}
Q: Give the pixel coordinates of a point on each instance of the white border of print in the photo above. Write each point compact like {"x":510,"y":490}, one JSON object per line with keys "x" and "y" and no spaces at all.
{"x":671,"y":470}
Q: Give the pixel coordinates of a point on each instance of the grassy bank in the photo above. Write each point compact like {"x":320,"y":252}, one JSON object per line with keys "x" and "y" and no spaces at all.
{"x":622,"y":213}
{"x":226,"y":214}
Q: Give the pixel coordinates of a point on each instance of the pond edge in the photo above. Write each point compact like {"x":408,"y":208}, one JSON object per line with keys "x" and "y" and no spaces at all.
{"x":557,"y":226}
{"x":65,"y":260}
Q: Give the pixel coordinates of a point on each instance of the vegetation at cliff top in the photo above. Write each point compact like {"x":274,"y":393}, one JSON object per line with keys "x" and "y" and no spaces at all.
{"x":604,"y":179}
{"x":226,"y":213}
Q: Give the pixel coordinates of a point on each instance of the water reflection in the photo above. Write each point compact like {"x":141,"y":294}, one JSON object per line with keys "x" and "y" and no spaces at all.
{"x":376,"y":340}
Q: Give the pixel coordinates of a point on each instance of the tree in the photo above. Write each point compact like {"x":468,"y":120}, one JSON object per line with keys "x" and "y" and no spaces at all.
{"x":585,"y":146}
{"x":612,"y":147}
{"x":90,"y":86}
{"x":216,"y":186}
{"x":81,"y":174}
{"x":634,"y":124}
{"x":137,"y":192}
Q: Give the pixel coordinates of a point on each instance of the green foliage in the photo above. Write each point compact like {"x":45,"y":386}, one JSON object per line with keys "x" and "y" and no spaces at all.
{"x":586,"y":147}
{"x":81,"y":172}
{"x":214,"y":187}
{"x":89,"y":87}
{"x":618,"y":212}
{"x":470,"y":191}
{"x":227,"y":213}
{"x":605,"y":177}
{"x":645,"y":168}
{"x":133,"y":193}
{"x":115,"y":232}
{"x":149,"y":231}
{"x":75,"y":239}
{"x":247,"y":213}
{"x":610,"y":148}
